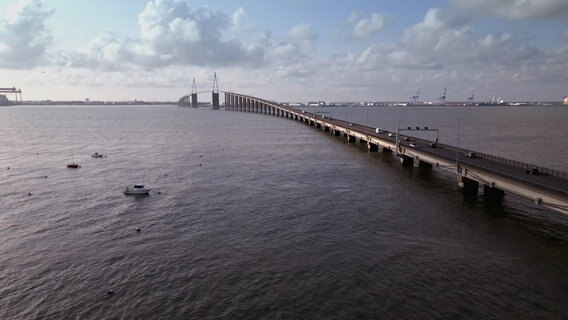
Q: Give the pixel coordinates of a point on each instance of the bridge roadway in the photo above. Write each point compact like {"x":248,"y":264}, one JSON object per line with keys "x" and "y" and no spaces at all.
{"x":498,"y":175}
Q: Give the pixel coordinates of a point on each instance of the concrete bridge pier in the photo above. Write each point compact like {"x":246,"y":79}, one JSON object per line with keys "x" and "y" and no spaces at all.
{"x":387,"y":150}
{"x":424,"y":164}
{"x":372,"y":147}
{"x":215,"y":100}
{"x":194,"y":100}
{"x":468,"y":186}
{"x":406,"y":161}
{"x":351,"y":138}
{"x":336,"y":132}
{"x":326,"y":128}
{"x":492,"y":193}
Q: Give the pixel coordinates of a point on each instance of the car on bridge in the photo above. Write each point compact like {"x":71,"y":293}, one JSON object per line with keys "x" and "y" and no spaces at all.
{"x":533,"y":171}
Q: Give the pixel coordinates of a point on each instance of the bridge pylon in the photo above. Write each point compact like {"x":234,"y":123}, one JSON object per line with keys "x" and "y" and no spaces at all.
{"x":194,"y":94}
{"x":215,"y":92}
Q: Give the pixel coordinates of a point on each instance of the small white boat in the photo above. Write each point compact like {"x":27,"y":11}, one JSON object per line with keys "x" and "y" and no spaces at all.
{"x":137,"y":189}
{"x":97,"y":155}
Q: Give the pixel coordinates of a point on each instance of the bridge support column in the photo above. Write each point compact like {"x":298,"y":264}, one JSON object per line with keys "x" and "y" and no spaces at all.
{"x":492,"y":193}
{"x":351,"y":138}
{"x":325,"y":128}
{"x":406,"y":161}
{"x":468,"y":186}
{"x":336,"y":132}
{"x":423,"y":164}
{"x":215,"y":100}
{"x":194,"y":100}
{"x":372,"y":147}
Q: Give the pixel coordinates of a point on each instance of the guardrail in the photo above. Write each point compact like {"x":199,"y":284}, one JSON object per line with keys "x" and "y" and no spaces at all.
{"x":514,"y":163}
{"x":518,"y":164}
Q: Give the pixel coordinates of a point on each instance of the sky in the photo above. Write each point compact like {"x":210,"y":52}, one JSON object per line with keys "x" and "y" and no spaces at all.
{"x":286,"y":50}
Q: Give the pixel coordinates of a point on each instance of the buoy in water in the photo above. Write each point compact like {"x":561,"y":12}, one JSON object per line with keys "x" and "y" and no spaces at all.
{"x":29,"y":193}
{"x":110,"y":292}
{"x":138,"y":229}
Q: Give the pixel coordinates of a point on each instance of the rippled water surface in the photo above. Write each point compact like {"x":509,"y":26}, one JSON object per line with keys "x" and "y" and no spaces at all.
{"x":258,"y":217}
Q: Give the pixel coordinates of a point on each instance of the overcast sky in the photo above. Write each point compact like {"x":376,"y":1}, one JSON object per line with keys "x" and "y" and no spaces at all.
{"x":286,"y":50}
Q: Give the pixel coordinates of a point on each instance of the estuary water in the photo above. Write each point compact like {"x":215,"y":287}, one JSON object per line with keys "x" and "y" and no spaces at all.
{"x":257,"y":217}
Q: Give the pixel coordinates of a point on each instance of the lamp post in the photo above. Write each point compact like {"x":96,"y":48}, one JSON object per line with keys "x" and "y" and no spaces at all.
{"x":458,"y":149}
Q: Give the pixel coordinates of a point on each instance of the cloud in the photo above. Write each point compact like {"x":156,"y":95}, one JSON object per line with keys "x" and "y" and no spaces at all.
{"x":303,"y":32}
{"x":445,"y":40}
{"x":171,"y":33}
{"x":445,"y":50}
{"x":369,"y":26}
{"x":24,"y":39}
{"x":238,"y":16}
{"x":178,"y":35}
{"x":305,"y":35}
{"x":516,"y":9}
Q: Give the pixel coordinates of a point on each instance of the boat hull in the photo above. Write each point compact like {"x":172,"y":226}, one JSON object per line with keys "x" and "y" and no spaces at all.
{"x":137,"y":192}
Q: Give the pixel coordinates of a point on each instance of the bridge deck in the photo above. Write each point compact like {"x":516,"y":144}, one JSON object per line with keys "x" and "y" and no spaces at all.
{"x":550,"y":188}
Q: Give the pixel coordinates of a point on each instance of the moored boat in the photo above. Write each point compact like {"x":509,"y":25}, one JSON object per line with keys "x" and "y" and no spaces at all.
{"x":137,"y":188}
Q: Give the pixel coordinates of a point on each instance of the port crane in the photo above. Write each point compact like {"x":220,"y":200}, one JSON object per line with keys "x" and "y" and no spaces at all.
{"x":442,"y":99}
{"x":471,"y":99}
{"x":416,"y":97}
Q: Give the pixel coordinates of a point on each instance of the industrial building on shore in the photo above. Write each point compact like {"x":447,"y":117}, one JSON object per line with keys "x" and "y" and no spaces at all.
{"x":3,"y":100}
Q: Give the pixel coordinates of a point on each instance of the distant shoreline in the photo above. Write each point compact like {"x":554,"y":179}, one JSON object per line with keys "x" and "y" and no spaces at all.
{"x":92,"y":103}
{"x":330,"y":104}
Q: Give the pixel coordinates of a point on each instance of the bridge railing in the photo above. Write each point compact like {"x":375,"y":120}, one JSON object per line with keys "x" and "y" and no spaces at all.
{"x":515,"y":163}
